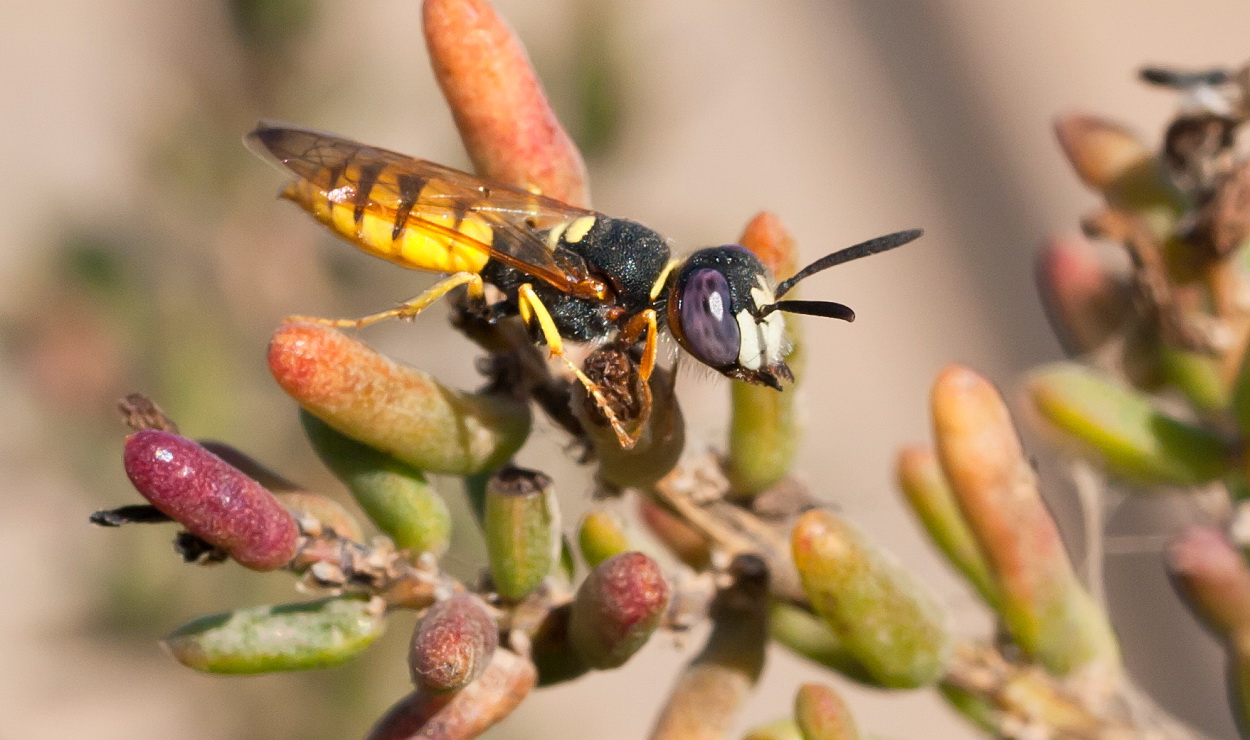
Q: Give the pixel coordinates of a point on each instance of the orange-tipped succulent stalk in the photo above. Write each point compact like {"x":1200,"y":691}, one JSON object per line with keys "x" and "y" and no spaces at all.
{"x":505,"y":121}
{"x":765,"y":428}
{"x":1052,"y":618}
{"x":392,"y":407}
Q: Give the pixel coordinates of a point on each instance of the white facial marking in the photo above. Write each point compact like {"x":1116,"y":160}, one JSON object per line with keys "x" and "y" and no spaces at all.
{"x":772,"y":328}
{"x":716,"y":306}
{"x":773,"y":337}
{"x":750,"y":353}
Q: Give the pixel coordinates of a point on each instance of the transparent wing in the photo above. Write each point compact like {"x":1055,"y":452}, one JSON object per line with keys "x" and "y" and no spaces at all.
{"x":413,"y":193}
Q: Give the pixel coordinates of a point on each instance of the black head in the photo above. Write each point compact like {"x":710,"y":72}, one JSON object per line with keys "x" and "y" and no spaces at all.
{"x":715,"y":311}
{"x":723,"y":308}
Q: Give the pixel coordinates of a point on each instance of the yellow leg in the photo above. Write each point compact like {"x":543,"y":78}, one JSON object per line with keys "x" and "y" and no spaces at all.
{"x":533,"y":311}
{"x":639,"y":324}
{"x":408,"y":309}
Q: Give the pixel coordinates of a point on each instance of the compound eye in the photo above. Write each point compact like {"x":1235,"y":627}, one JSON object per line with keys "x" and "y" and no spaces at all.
{"x":708,"y":329}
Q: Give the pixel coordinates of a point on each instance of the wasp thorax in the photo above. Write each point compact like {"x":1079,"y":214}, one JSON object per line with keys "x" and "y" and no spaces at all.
{"x":716,"y":312}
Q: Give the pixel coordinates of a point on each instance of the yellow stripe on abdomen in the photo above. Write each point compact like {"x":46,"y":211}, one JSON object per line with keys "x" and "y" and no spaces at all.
{"x":417,"y":245}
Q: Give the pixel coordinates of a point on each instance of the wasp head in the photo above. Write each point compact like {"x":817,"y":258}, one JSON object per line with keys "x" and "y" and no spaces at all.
{"x":724,"y":308}
{"x":716,"y":311}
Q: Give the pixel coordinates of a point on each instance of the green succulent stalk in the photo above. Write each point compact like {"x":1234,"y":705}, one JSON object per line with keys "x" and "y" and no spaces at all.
{"x":522,"y":528}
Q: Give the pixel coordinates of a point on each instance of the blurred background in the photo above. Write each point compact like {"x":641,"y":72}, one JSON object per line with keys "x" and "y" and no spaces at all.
{"x":144,"y":250}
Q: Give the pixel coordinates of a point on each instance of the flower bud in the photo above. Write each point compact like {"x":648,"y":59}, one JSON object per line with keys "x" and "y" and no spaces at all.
{"x":617,"y":608}
{"x":213,"y":500}
{"x":452,"y":644}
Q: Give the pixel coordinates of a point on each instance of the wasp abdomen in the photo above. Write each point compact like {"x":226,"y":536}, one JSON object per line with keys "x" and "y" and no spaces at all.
{"x":410,"y":232}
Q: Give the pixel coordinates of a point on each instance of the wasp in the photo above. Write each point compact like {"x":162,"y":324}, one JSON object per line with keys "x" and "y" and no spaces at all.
{"x":571,"y":274}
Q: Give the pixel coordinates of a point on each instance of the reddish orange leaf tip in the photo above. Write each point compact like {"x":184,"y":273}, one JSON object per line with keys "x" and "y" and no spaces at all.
{"x":507,"y":124}
{"x":769,"y":240}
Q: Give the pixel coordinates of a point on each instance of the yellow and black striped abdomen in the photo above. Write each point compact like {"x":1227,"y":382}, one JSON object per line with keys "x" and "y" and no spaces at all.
{"x":408,"y":223}
{"x":426,"y":216}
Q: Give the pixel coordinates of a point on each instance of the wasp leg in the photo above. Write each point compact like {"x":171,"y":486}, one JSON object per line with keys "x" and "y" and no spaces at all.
{"x":533,"y":311}
{"x":408,"y":309}
{"x":643,"y":323}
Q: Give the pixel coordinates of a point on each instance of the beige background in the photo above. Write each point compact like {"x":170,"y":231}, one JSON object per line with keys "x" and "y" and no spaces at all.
{"x":848,"y":119}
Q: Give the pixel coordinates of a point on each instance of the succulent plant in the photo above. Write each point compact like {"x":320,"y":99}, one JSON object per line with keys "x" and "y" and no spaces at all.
{"x":1156,"y":396}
